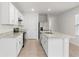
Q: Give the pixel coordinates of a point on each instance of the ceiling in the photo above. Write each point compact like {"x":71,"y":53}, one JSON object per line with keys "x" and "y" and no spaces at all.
{"x":42,"y":7}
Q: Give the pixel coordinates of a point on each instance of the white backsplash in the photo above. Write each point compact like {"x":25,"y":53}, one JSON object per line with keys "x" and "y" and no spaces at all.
{"x":45,"y":26}
{"x":6,"y":28}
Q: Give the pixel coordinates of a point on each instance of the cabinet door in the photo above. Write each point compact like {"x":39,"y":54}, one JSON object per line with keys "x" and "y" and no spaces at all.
{"x":7,"y":47}
{"x":46,"y":45}
{"x":18,"y":46}
{"x":12,"y":20}
{"x":19,"y":14}
{"x":66,"y":47}
{"x":16,"y":16}
{"x":4,"y":13}
{"x":41,"y":38}
{"x":42,"y":41}
{"x":55,"y":47}
{"x":21,"y":39}
{"x":21,"y":17}
{"x":19,"y":43}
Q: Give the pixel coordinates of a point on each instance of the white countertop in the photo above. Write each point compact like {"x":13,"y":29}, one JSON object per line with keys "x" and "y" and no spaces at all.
{"x":10,"y":35}
{"x":56,"y":35}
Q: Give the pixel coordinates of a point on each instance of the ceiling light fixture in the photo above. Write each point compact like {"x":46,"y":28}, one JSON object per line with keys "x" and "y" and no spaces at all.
{"x":49,"y":9}
{"x":33,"y":9}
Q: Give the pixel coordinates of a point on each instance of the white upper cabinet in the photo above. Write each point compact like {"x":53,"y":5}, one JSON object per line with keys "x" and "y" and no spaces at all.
{"x":20,"y":16}
{"x":4,"y":13}
{"x":16,"y":16}
{"x":9,"y":14}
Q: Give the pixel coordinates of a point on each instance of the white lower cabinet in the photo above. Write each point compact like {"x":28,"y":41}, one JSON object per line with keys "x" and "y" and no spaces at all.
{"x":7,"y":47}
{"x":19,"y":44}
{"x":44,"y":42}
{"x":55,"y":47}
{"x":10,"y":47}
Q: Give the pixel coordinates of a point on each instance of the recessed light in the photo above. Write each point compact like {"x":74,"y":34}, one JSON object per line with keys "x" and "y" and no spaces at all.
{"x":49,"y":9}
{"x":33,"y":9}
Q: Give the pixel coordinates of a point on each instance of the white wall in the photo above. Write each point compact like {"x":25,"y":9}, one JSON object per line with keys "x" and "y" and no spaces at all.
{"x":31,"y":25}
{"x":66,"y":22}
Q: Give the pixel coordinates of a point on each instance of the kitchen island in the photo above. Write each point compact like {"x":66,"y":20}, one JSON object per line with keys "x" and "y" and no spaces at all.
{"x":55,"y":44}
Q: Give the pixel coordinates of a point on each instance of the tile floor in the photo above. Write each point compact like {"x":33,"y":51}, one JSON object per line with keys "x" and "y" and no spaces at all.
{"x":32,"y":49}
